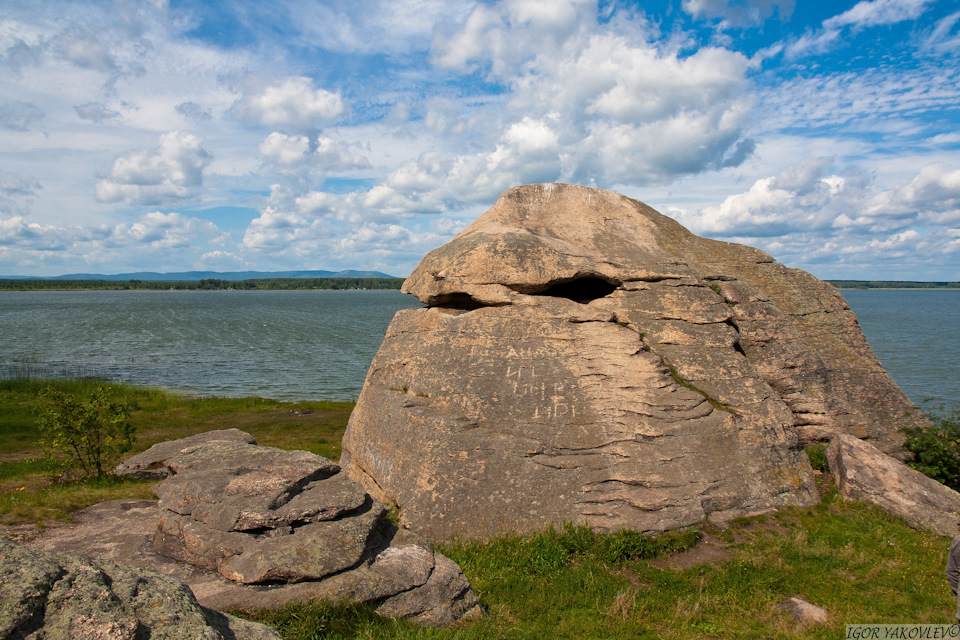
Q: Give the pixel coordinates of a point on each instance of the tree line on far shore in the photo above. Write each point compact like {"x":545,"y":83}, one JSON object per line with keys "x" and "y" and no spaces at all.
{"x":338,"y":284}
{"x":892,"y":284}
{"x":205,"y":284}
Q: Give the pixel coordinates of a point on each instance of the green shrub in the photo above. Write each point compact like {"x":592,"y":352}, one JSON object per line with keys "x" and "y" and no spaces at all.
{"x":936,"y":448}
{"x":85,"y":434}
{"x":818,"y":457}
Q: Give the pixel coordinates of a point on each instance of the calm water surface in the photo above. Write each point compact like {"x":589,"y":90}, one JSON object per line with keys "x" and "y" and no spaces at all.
{"x":915,"y":334}
{"x":288,"y":345}
{"x":306,"y":345}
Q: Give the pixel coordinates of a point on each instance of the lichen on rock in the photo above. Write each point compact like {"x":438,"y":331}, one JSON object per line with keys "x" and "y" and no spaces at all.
{"x":59,"y":596}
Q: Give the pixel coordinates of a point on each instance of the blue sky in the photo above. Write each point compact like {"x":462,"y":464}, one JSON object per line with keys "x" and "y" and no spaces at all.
{"x":359,"y":134}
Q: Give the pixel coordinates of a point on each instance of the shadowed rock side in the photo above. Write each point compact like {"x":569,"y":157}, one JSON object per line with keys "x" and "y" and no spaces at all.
{"x":585,"y":359}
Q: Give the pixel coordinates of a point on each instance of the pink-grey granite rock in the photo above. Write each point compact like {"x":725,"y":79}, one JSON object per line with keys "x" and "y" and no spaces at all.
{"x":863,"y":472}
{"x":276,"y":526}
{"x":58,"y":596}
{"x":584,"y":359}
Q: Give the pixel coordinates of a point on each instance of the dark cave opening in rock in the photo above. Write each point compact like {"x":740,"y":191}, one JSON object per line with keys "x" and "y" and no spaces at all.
{"x":582,"y":290}
{"x":459,"y":301}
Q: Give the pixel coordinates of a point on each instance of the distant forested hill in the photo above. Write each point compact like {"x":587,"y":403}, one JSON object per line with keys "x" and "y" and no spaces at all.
{"x":207,"y":275}
{"x":892,"y":284}
{"x":35,"y":284}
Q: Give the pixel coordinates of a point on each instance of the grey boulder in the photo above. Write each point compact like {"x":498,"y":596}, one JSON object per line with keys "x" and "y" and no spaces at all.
{"x":279,"y":526}
{"x":57,"y":596}
{"x":150,"y":462}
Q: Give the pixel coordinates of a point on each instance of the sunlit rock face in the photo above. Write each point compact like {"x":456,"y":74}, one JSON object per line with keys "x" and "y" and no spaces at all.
{"x":583,"y":358}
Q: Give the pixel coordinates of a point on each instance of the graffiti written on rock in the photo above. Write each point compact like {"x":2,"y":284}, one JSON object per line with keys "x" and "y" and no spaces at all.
{"x":550,"y":402}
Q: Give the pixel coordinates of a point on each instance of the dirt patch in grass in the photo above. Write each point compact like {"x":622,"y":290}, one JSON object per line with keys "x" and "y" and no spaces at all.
{"x":710,"y":550}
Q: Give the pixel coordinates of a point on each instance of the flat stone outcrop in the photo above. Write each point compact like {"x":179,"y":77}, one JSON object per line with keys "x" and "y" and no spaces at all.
{"x":247,"y":526}
{"x":863,"y":472}
{"x":58,"y":596}
{"x":582,"y":358}
{"x":150,"y":462}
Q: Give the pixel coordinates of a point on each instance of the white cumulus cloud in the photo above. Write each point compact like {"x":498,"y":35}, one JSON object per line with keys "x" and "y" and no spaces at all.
{"x":933,"y":196}
{"x":173,"y":170}
{"x":813,"y":215}
{"x":167,"y":230}
{"x":290,"y":103}
{"x":285,"y":150}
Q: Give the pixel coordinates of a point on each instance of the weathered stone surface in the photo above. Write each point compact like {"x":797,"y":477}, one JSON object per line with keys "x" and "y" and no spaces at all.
{"x":286,"y":520}
{"x":864,"y":472}
{"x":396,"y":563}
{"x":232,"y":486}
{"x":586,"y":359}
{"x":310,"y":552}
{"x":804,"y":612}
{"x":151,"y":460}
{"x":61,"y":597}
{"x":419,"y":603}
{"x":262,"y":515}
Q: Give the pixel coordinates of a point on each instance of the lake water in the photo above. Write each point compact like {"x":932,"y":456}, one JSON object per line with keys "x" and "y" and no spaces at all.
{"x":916,"y":335}
{"x":287,"y":345}
{"x":312,"y":345}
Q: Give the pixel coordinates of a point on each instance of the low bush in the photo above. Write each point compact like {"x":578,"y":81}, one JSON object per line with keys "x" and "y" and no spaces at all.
{"x":84,"y":435}
{"x":818,"y":457}
{"x":936,"y":448}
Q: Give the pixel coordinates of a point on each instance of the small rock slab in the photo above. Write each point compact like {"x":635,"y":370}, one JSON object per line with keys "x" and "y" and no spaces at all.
{"x":864,"y":472}
{"x":804,"y":612}
{"x":150,"y":462}
{"x":276,"y":526}
{"x":311,"y":552}
{"x":398,"y":563}
{"x":59,"y":596}
{"x":232,"y":486}
{"x":262,"y":515}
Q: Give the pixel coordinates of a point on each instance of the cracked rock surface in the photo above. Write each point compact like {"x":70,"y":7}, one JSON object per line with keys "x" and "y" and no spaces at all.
{"x":584,"y":359}
{"x":247,"y":526}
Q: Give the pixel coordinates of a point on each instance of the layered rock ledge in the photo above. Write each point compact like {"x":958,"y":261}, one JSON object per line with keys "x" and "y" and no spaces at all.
{"x":583,"y":358}
{"x":247,"y":526}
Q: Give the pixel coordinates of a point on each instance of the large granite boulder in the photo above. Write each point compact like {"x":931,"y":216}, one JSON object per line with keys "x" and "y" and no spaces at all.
{"x":58,"y":596}
{"x":863,"y":472}
{"x":584,"y":359}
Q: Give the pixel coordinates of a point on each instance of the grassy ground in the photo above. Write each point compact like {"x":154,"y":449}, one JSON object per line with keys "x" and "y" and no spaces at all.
{"x":857,"y":562}
{"x":27,"y":495}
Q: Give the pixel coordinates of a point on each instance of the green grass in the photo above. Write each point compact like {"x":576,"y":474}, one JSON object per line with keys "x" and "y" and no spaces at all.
{"x":859,"y":563}
{"x":157,"y":416}
{"x":50,"y":502}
